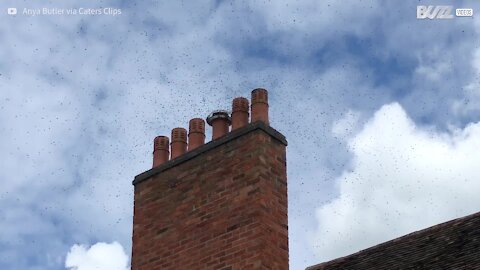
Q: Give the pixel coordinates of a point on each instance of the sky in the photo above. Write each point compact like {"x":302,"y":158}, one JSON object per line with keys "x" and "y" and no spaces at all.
{"x":381,"y":111}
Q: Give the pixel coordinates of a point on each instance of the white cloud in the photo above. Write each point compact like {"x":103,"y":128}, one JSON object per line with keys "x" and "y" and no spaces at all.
{"x":471,"y":101}
{"x":318,"y":16}
{"x":433,"y":67}
{"x":101,"y":256}
{"x":345,"y":126}
{"x":404,"y":178}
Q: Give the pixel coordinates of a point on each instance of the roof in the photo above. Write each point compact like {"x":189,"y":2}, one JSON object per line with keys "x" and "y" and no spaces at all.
{"x":451,"y":245}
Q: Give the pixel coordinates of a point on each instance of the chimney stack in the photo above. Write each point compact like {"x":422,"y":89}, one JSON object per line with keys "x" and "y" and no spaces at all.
{"x":220,"y":122}
{"x":223,"y":205}
{"x":240,"y":110}
{"x":260,"y":105}
{"x":161,"y":150}
{"x":179,"y":142}
{"x":196,"y":133}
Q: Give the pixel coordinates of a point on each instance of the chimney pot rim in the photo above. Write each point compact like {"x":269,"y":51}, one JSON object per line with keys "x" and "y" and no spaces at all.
{"x":196,"y":119}
{"x":259,"y":89}
{"x":218,"y":114}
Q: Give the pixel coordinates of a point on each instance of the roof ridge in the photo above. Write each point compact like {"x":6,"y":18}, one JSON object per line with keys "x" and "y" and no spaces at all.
{"x":436,"y":227}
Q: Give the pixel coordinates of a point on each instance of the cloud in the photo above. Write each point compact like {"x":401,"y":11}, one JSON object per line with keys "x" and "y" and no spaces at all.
{"x":101,"y":256}
{"x":403,"y":178}
{"x":346,"y":125}
{"x":470,"y":103}
{"x":80,"y":108}
{"x":303,"y":15}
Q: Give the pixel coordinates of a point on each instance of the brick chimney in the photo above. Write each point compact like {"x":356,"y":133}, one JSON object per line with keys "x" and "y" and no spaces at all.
{"x":220,"y":205}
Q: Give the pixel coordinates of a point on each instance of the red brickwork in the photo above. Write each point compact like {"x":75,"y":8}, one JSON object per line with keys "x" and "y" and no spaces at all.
{"x":223,"y":209}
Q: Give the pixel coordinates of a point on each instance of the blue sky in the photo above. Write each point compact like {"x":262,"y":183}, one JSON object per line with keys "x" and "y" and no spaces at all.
{"x":381,"y":112}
